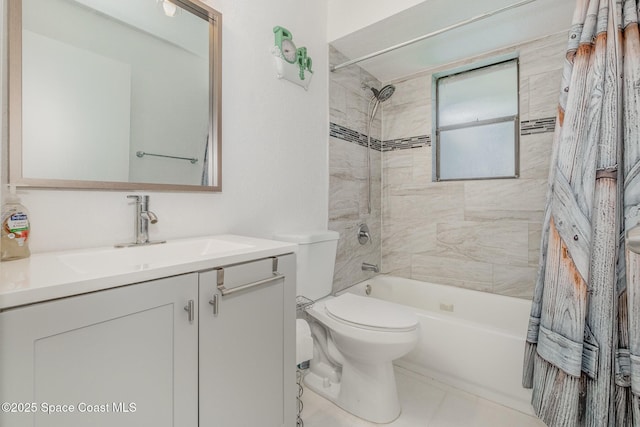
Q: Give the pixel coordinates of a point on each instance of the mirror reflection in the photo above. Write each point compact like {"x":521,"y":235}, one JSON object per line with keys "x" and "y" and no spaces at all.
{"x":115,"y":91}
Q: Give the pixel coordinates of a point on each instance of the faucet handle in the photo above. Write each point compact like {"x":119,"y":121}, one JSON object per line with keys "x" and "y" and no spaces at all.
{"x":134,"y":196}
{"x":363,"y":234}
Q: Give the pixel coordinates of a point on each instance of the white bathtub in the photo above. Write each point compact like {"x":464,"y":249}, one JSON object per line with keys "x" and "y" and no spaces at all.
{"x":471,"y":340}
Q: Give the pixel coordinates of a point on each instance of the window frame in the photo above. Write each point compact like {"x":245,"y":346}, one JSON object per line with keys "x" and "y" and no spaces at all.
{"x":436,"y":130}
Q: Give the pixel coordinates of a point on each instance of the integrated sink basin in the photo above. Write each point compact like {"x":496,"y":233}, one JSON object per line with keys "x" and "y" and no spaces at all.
{"x":136,"y":258}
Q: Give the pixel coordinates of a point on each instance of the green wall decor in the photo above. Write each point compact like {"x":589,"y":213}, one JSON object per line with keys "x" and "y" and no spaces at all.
{"x":292,"y":64}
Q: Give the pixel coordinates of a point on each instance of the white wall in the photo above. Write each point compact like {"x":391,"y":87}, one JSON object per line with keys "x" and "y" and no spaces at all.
{"x":275,"y":174}
{"x":345,"y":17}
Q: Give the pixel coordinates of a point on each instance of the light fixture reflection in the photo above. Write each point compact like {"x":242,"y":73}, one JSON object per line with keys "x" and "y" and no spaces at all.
{"x":168,"y":8}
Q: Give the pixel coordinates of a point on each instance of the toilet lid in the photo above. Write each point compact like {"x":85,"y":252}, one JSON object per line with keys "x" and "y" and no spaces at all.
{"x":371,"y":312}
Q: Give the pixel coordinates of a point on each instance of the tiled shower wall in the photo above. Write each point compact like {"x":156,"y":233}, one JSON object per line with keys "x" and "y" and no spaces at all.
{"x":349,"y":104}
{"x":482,"y":234}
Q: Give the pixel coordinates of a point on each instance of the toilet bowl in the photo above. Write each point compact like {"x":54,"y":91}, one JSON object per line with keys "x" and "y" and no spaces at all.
{"x":357,"y":338}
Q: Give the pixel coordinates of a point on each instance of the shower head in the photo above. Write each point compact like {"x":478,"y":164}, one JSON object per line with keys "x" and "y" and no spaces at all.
{"x":379,"y":96}
{"x":384,"y":93}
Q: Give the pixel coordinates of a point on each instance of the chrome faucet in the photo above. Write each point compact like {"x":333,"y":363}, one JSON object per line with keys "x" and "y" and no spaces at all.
{"x":370,"y":267}
{"x":141,"y":224}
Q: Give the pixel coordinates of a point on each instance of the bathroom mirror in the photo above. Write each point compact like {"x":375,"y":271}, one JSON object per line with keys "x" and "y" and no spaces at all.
{"x":115,"y":94}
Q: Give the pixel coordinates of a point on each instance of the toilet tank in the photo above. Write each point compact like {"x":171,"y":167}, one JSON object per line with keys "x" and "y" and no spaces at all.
{"x":316,"y":258}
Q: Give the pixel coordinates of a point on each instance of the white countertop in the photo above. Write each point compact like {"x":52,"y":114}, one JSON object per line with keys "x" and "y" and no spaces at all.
{"x":53,"y":275}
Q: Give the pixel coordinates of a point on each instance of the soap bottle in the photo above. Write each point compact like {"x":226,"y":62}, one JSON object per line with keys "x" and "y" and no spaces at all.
{"x":14,"y":234}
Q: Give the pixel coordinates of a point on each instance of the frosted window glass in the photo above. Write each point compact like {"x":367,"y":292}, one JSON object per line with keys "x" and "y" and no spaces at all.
{"x":481,"y":94}
{"x":478,"y":152}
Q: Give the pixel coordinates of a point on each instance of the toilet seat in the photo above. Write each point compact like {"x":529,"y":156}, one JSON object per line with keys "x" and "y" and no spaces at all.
{"x":370,"y":313}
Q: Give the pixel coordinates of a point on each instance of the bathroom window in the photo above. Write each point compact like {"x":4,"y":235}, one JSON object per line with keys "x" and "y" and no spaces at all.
{"x":477,"y":123}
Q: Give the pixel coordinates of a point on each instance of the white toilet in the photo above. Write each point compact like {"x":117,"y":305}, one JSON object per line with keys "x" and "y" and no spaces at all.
{"x":355,"y":338}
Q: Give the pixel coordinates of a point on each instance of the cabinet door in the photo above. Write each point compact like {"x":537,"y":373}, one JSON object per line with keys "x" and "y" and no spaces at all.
{"x":246,"y":372}
{"x":119,"y":357}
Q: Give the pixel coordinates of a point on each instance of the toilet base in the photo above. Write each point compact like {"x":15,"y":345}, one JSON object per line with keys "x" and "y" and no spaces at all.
{"x":367,"y":391}
{"x":322,"y":386}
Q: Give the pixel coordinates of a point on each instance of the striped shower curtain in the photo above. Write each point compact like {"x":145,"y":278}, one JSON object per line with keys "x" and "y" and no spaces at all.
{"x":582,"y":355}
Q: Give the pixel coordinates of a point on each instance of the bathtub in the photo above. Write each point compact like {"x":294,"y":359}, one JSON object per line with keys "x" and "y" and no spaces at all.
{"x":471,"y":340}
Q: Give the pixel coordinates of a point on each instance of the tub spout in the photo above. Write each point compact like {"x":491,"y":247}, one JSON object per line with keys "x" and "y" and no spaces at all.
{"x":370,"y":267}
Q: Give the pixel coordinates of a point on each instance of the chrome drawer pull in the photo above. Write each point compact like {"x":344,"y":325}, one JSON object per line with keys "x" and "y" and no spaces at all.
{"x":189,"y":308}
{"x":214,"y":302}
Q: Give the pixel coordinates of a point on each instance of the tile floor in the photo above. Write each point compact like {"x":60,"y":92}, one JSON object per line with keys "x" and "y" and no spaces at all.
{"x":425,"y":403}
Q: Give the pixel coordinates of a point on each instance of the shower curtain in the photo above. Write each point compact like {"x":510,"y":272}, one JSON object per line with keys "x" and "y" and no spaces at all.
{"x":582,"y":355}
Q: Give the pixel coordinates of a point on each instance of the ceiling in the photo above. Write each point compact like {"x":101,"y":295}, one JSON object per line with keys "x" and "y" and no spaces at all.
{"x":527,"y":22}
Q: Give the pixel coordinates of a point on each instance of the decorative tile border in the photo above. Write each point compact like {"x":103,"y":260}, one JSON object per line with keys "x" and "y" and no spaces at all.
{"x":405,"y":143}
{"x":527,"y":127}
{"x":351,"y":135}
{"x":546,"y":124}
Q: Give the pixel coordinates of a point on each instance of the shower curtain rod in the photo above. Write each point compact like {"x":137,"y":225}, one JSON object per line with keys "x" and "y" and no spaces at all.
{"x":333,"y":68}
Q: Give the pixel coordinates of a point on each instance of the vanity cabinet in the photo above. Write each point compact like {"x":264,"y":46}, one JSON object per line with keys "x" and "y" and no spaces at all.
{"x":212,"y":348}
{"x":125,"y":356}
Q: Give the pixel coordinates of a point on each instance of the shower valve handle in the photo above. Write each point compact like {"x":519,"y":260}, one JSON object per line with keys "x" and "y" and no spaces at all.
{"x":363,"y":234}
